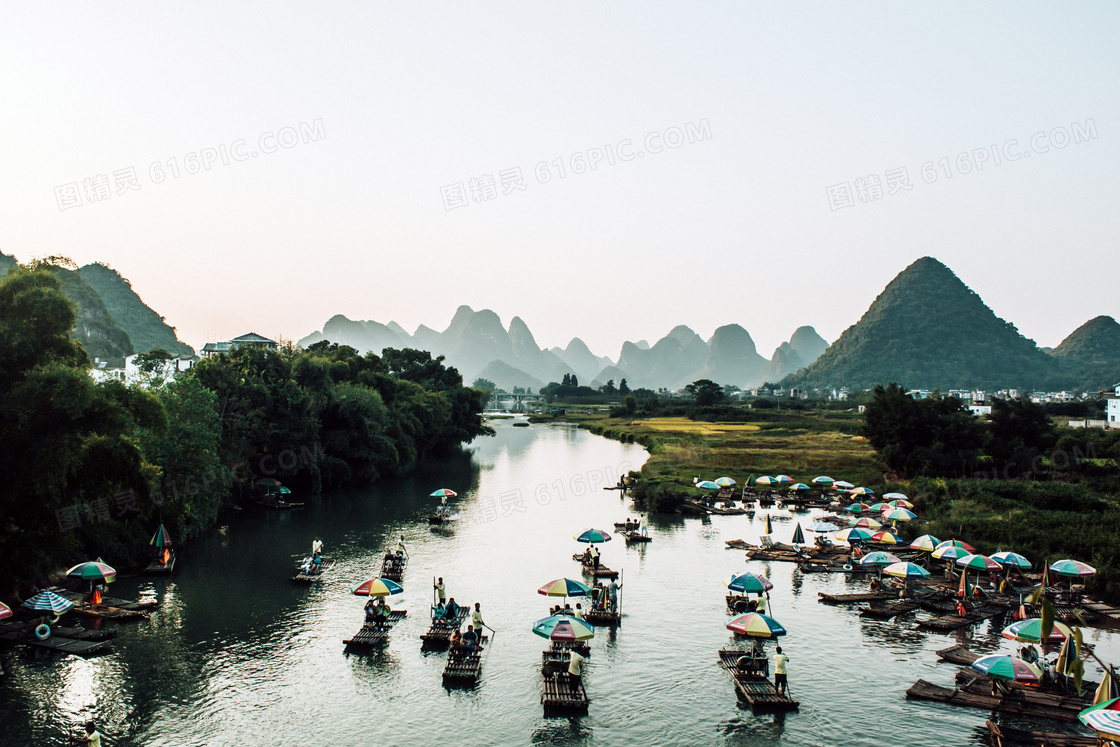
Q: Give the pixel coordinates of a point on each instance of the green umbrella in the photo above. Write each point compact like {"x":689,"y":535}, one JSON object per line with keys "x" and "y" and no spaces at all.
{"x":161,"y":538}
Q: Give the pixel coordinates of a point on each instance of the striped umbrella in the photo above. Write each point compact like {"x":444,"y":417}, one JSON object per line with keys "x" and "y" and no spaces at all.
{"x":861,"y":491}
{"x":895,"y":496}
{"x":1073,"y":569}
{"x":906,"y":570}
{"x":887,"y":538}
{"x":798,"y":536}
{"x":898,"y":514}
{"x":1007,"y":668}
{"x":824,"y":480}
{"x":756,"y":625}
{"x":857,"y":508}
{"x":161,"y":538}
{"x":563,"y":628}
{"x":378,"y":587}
{"x":842,"y":484}
{"x":1011,"y":559}
{"x":1030,"y":631}
{"x":879,"y":559}
{"x":748,"y":583}
{"x":950,"y":553}
{"x":765,"y":481}
{"x":900,"y":503}
{"x":1103,"y":718}
{"x":443,"y":493}
{"x":823,"y":526}
{"x":707,"y":485}
{"x":48,"y":601}
{"x":565,"y":587}
{"x":957,"y":543}
{"x":925,"y":543}
{"x":93,"y":571}
{"x":864,"y":523}
{"x":5,"y":611}
{"x":799,"y":487}
{"x":725,"y":482}
{"x":783,"y":479}
{"x":979,"y":563}
{"x":878,"y":508}
{"x":594,"y":536}
{"x":855,"y":534}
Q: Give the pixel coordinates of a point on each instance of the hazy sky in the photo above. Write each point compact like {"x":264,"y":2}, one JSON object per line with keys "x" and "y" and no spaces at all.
{"x":399,"y":101}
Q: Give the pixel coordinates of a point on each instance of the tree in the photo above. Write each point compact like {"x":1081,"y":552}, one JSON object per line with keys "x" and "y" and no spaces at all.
{"x":705,"y":391}
{"x":609,"y":387}
{"x":623,"y":388}
{"x":485,"y":385}
{"x":574,"y":380}
{"x":567,"y":380}
{"x":630,"y":404}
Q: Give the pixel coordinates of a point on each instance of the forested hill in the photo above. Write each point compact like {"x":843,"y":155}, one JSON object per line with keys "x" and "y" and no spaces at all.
{"x":146,"y":328}
{"x":928,"y":329}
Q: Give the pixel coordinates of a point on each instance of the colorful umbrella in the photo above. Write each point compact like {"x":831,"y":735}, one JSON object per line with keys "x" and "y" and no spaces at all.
{"x":1104,"y":690}
{"x":563,"y":628}
{"x":707,"y":485}
{"x":798,"y":536}
{"x":857,"y":508}
{"x":442,"y":493}
{"x":957,"y":543}
{"x":1007,"y":668}
{"x":855,"y":534}
{"x":565,"y":587}
{"x":783,"y":479}
{"x":879,"y":559}
{"x":865,"y":523}
{"x":964,"y":591}
{"x":887,"y":538}
{"x":900,"y":503}
{"x":769,"y":529}
{"x":92,"y":571}
{"x":979,"y":563}
{"x":725,"y":482}
{"x":1011,"y":559}
{"x":799,"y":487}
{"x":926,"y":543}
{"x":268,"y":482}
{"x":1073,"y":569}
{"x":1103,"y":718}
{"x":823,"y":480}
{"x":48,"y":601}
{"x":878,"y":507}
{"x":593,"y":536}
{"x":823,"y":526}
{"x":906,"y":570}
{"x":765,"y":481}
{"x":861,"y":491}
{"x":895,"y":496}
{"x":5,"y":611}
{"x":1030,"y":631}
{"x":378,"y":587}
{"x":950,"y":552}
{"x":843,"y":485}
{"x":756,"y":625}
{"x":748,"y":583}
{"x":161,"y":538}
{"x":898,"y":514}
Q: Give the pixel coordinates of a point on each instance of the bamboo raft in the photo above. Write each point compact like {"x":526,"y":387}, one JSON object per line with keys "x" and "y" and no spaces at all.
{"x":439,"y":634}
{"x":590,"y":570}
{"x":632,"y":536}
{"x":158,"y":566}
{"x":121,"y":604}
{"x":738,"y":604}
{"x":1014,"y":703}
{"x":967,"y":676}
{"x":308,"y":578}
{"x":78,"y":634}
{"x":948,"y":623}
{"x":1102,"y":610}
{"x":393,"y":571}
{"x":854,"y":598}
{"x":1005,"y":736}
{"x":957,"y":654}
{"x":890,"y":609}
{"x":716,"y":510}
{"x":62,"y":644}
{"x":373,"y":634}
{"x":558,"y":693}
{"x":753,"y":687}
{"x":464,"y":670}
{"x":602,"y":618}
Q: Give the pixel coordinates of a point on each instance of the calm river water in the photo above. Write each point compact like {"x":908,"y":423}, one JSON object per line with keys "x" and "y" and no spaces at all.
{"x":238,"y":655}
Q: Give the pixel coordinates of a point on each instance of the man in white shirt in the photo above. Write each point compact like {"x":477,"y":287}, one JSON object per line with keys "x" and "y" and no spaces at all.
{"x":91,"y":737}
{"x":575,"y":669}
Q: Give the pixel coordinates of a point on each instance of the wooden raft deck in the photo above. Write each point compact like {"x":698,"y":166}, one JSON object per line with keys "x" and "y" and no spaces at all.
{"x":922,"y":690}
{"x":76,"y":646}
{"x":372,"y":634}
{"x":957,"y":654}
{"x":889,"y":609}
{"x":309,"y":578}
{"x":393,"y":571}
{"x":1104,"y":611}
{"x":121,"y":604}
{"x":853,"y":598}
{"x":602,"y":572}
{"x":158,"y":566}
{"x":1006,"y":736}
{"x":602,"y":618}
{"x":949,"y":623}
{"x":754,"y":688}
{"x":464,"y":670}
{"x":439,"y":634}
{"x":558,"y":693}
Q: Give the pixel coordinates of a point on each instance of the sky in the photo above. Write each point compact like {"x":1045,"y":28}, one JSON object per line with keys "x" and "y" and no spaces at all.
{"x":265,"y":166}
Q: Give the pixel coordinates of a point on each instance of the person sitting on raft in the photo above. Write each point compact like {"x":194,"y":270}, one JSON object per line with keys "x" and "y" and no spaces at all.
{"x":371,"y":607}
{"x":451,"y":611}
{"x":381,"y":614}
{"x":470,"y":639}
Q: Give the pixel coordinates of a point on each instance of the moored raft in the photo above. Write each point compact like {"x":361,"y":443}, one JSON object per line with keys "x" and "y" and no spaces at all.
{"x":160,"y":566}
{"x":752,"y":685}
{"x":889,"y":609}
{"x":1015,"y":703}
{"x":957,"y":654}
{"x":1006,"y":736}
{"x":373,"y":634}
{"x":307,"y":578}
{"x":78,"y":646}
{"x":560,"y":693}
{"x":465,"y":670}
{"x":853,"y":598}
{"x":439,"y":634}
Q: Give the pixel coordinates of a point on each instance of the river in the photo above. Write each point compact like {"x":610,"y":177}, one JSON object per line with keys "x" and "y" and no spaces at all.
{"x":236,"y":654}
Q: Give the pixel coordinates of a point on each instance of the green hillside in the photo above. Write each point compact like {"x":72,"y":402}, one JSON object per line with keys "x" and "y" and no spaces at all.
{"x":145,"y":327}
{"x":96,"y":329}
{"x":928,"y":329}
{"x":1091,"y":354}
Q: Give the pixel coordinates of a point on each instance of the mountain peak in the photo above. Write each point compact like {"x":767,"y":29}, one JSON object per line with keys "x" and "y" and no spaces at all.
{"x":1096,"y":339}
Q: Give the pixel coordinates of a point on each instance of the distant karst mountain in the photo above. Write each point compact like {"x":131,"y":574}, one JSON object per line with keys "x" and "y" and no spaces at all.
{"x":1090,"y":354}
{"x":928,"y":329}
{"x":732,"y":358}
{"x":804,"y":347}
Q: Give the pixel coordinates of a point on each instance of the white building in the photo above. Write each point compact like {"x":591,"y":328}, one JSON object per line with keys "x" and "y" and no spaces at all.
{"x":1112,"y":414}
{"x":980,"y":410}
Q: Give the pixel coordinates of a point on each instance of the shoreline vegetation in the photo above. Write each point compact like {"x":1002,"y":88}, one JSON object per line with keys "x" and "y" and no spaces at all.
{"x":1063,"y":505}
{"x":92,"y":467}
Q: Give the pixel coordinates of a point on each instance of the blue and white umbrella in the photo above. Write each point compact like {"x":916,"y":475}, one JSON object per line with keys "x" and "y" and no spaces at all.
{"x":48,"y":601}
{"x":823,"y":526}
